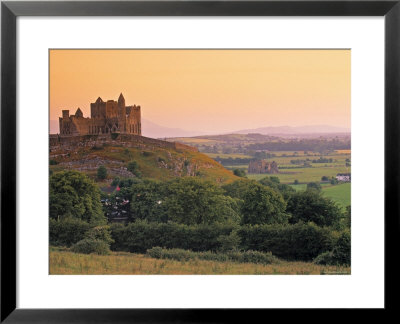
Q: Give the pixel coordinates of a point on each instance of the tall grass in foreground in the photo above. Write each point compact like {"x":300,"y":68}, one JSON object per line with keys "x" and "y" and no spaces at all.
{"x":118,"y":263}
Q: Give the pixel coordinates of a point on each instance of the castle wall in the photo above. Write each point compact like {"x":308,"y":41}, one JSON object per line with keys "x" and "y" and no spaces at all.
{"x":98,"y":110}
{"x":126,"y":140}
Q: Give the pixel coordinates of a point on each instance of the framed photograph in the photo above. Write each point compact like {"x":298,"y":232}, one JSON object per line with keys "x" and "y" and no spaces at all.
{"x":160,"y":159}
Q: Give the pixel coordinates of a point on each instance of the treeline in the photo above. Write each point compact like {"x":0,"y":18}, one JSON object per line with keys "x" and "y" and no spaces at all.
{"x":192,"y":214}
{"x":315,"y":145}
{"x":290,"y":242}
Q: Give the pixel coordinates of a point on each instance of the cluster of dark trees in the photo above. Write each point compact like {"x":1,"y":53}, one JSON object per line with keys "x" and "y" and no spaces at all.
{"x":191,"y":213}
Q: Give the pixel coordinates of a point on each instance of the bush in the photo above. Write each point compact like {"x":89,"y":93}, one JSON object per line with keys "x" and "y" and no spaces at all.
{"x":340,"y":255}
{"x":185,"y":255}
{"x":101,"y":233}
{"x":133,"y":167}
{"x":67,"y":232}
{"x":253,"y":257}
{"x":314,"y":186}
{"x":239,"y":173}
{"x":101,"y":172}
{"x":87,"y":246}
{"x":312,"y":206}
{"x":325,"y":258}
{"x":229,"y":242}
{"x":342,"y":250}
{"x":139,"y":236}
{"x":291,"y":242}
{"x":115,"y":182}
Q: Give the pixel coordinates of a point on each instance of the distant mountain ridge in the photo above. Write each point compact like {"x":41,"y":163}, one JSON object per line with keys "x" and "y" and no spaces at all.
{"x":277,"y":130}
{"x":153,"y":130}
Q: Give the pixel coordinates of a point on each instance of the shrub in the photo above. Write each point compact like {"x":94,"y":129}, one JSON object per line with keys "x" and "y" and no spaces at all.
{"x":342,"y":250}
{"x":139,"y":236}
{"x":254,"y":257}
{"x":239,"y":172}
{"x":87,"y":246}
{"x":101,"y":172}
{"x":185,"y":255}
{"x":133,"y":167}
{"x":325,"y":258}
{"x":312,"y":206}
{"x":101,"y":233}
{"x":229,"y":242}
{"x":115,"y":182}
{"x":114,"y":136}
{"x":53,"y":162}
{"x":340,"y":254}
{"x":314,"y":186}
{"x":291,"y":242}
{"x":67,"y":232}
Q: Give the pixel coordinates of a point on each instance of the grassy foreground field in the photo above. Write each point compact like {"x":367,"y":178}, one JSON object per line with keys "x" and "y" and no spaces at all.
{"x":118,"y":263}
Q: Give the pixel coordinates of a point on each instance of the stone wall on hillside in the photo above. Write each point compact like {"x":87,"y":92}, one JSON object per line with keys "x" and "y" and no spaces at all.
{"x":126,"y":140}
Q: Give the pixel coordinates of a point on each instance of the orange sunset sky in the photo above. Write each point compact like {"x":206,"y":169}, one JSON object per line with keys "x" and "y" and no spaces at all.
{"x":208,"y":90}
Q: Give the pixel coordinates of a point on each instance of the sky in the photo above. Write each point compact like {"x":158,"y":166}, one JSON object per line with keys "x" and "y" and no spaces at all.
{"x":208,"y":90}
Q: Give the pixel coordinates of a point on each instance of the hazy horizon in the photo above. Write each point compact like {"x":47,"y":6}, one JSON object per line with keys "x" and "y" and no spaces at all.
{"x":208,"y":91}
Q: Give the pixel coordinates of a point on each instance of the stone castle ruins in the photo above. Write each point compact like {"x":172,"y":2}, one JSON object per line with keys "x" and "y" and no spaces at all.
{"x":105,"y":118}
{"x":263,"y":166}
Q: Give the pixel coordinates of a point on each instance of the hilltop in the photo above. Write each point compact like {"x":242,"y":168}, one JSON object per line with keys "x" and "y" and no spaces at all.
{"x":156,"y":159}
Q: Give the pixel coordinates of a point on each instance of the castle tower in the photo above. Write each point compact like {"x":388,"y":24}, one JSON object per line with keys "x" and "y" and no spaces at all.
{"x":122,"y":114}
{"x":121,"y":101}
{"x":79,"y":113}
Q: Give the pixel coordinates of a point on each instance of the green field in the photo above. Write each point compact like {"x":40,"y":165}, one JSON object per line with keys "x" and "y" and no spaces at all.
{"x":304,"y":175}
{"x":340,"y":193}
{"x":291,"y":172}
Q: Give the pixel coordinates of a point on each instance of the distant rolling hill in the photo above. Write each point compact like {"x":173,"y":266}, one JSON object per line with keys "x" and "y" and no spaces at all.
{"x":289,"y":130}
{"x":153,"y":130}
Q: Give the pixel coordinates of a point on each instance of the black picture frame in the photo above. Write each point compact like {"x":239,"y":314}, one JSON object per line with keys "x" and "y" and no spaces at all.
{"x":10,"y":10}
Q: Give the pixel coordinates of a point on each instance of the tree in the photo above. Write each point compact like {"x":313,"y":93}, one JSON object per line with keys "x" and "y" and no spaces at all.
{"x":324,"y":178}
{"x":148,"y":201}
{"x":314,"y":186}
{"x":296,"y":182}
{"x":274,"y":183}
{"x":237,"y":188}
{"x":263,"y":205}
{"x":101,"y":172}
{"x":239,"y":172}
{"x":193,"y":201}
{"x":73,"y":195}
{"x":186,"y":200}
{"x":311,"y":206}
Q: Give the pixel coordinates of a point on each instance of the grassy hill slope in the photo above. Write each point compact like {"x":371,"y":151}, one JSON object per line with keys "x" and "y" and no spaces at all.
{"x":161,"y":163}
